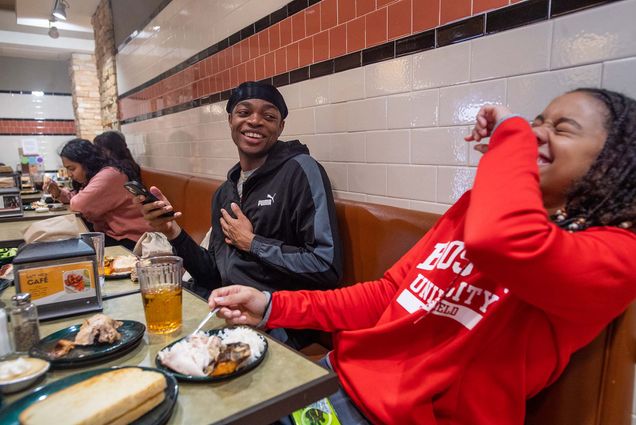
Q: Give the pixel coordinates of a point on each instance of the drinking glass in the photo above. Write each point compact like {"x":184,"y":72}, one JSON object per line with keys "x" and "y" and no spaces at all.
{"x":160,"y":284}
{"x":96,"y":240}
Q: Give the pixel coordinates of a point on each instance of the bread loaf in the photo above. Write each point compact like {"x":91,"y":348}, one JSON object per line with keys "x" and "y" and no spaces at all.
{"x":140,"y":410}
{"x":124,"y":264}
{"x":100,"y":400}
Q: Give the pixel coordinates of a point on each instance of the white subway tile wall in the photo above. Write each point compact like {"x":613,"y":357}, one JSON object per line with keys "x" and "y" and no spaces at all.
{"x":514,"y":52}
{"x":181,"y":30}
{"x":48,"y":146}
{"x":391,"y":132}
{"x":594,"y":35}
{"x":30,"y":106}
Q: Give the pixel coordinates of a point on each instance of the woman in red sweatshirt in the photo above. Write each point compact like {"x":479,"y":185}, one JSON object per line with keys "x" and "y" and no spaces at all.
{"x":487,"y":308}
{"x":99,"y":195}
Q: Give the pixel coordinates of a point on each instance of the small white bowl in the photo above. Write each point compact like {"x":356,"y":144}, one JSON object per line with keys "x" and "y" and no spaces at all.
{"x":18,"y":384}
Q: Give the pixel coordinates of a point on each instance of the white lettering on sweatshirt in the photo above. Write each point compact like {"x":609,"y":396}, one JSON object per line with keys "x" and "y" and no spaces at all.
{"x":463,"y":302}
{"x":443,"y":257}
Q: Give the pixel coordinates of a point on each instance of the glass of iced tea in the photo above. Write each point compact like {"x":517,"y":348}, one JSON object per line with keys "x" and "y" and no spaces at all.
{"x":160,"y":284}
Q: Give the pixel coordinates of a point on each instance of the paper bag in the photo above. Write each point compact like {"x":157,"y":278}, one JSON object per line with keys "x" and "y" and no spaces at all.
{"x":54,"y":229}
{"x":151,"y":244}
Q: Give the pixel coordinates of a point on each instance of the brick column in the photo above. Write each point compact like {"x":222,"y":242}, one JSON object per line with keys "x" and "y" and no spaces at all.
{"x":86,"y":104}
{"x":105,"y":52}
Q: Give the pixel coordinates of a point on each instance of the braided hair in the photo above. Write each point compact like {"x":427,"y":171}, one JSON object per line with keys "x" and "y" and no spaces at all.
{"x":604,"y":196}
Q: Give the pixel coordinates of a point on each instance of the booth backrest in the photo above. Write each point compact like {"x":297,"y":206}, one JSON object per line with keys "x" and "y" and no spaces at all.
{"x":597,"y":386}
{"x":375,"y":236}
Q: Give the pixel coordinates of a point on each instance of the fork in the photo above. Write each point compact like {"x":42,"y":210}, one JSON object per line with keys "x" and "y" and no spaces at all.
{"x":205,"y":320}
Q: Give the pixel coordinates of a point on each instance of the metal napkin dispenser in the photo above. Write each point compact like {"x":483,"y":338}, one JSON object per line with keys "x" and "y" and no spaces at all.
{"x":61,"y":277}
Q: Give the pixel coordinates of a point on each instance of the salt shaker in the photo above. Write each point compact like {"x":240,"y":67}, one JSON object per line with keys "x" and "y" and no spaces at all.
{"x":5,"y":343}
{"x":23,"y":315}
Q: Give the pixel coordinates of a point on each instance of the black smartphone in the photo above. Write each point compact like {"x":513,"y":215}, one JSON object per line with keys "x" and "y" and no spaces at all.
{"x":137,"y":189}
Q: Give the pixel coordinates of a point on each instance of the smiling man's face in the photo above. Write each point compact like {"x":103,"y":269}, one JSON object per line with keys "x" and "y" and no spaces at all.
{"x":256,"y":125}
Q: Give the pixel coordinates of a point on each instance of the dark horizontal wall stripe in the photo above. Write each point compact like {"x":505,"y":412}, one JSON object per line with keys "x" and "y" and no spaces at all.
{"x":562,"y":7}
{"x":466,"y":29}
{"x":260,"y":25}
{"x":213,"y":72}
{"x":26,"y":127}
{"x":152,"y":16}
{"x":46,"y":93}
{"x":517,"y":15}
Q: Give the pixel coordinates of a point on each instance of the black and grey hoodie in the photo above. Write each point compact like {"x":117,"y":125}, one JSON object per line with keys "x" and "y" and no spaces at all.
{"x":289,"y":202}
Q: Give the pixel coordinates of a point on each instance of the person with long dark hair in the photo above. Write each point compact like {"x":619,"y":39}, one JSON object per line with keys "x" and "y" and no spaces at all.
{"x":98,"y":193}
{"x":113,"y":145}
{"x":487,"y":308}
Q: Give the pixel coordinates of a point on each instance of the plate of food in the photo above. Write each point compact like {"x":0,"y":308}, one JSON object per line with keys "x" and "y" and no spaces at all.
{"x":21,"y":372}
{"x":119,"y":267}
{"x":98,"y":339}
{"x":215,"y":355}
{"x":7,"y":255}
{"x":137,"y":395}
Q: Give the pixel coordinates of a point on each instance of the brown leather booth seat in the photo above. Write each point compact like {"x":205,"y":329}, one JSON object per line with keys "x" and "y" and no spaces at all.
{"x":375,"y":236}
{"x":597,"y":386}
{"x":189,"y":194}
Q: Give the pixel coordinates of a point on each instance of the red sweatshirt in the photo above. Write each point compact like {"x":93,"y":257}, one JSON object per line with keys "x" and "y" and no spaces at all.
{"x":483,"y":312}
{"x":108,"y":205}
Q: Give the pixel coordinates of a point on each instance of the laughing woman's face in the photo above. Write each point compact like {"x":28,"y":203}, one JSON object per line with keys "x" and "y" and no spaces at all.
{"x":571,"y":133}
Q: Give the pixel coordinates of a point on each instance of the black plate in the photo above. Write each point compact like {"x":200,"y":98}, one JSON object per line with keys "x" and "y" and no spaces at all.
{"x":190,"y":378}
{"x":115,"y":276}
{"x":159,"y":415}
{"x":131,"y":332}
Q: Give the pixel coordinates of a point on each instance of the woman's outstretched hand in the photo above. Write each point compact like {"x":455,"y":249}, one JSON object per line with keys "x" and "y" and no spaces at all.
{"x":485,"y":122}
{"x":240,"y":305}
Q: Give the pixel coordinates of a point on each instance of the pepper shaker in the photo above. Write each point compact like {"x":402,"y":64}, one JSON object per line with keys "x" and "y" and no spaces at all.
{"x":23,"y":315}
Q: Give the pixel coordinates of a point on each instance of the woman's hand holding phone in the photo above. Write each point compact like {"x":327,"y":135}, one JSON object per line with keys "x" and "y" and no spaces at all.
{"x":158,"y":212}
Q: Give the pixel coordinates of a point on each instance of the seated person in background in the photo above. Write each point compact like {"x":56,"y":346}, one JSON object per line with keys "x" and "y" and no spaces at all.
{"x":274,"y":220}
{"x":98,"y":194}
{"x":113,"y":144}
{"x":487,"y":308}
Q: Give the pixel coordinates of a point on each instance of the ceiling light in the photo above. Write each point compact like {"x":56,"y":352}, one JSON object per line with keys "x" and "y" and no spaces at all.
{"x":59,"y":9}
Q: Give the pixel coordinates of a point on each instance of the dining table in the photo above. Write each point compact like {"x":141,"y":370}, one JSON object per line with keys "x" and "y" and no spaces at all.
{"x":12,"y":228}
{"x":33,"y":215}
{"x":283,"y":382}
{"x":118,"y":287}
{"x":31,"y":196}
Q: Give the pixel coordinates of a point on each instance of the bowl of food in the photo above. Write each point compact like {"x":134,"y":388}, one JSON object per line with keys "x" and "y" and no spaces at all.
{"x":7,"y":255}
{"x":18,"y":373}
